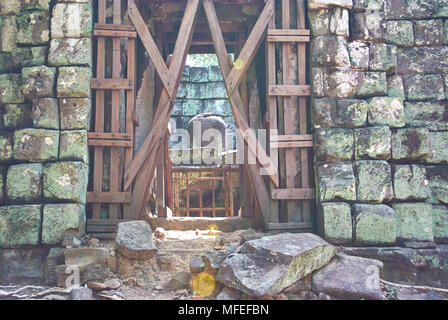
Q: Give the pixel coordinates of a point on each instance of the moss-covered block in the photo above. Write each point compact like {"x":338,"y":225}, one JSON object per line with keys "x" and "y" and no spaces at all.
{"x":438,"y":147}
{"x":66,"y":52}
{"x":359,"y":54}
{"x":373,"y":143}
{"x":414,"y":221}
{"x":74,"y":82}
{"x":329,"y":51}
{"x":374,"y":224}
{"x":33,"y":27}
{"x":438,"y":182}
{"x":24,"y":183}
{"x":20,"y":225}
{"x":383,"y":57}
{"x":71,"y":20}
{"x":36,"y":145}
{"x":337,"y":83}
{"x":371,"y":84}
{"x":199,"y":74}
{"x":386,"y":111}
{"x":335,"y":182}
{"x":65,"y":181}
{"x":410,"y":144}
{"x":374,"y":181}
{"x":75,"y":113}
{"x":337,"y":222}
{"x":17,"y":116}
{"x":395,"y":87}
{"x":17,"y":6}
{"x":428,"y":32}
{"x":192,"y":107}
{"x":73,"y":146}
{"x":58,"y":218}
{"x":5,"y":148}
{"x":7,"y":63}
{"x":218,"y":106}
{"x":8,"y":31}
{"x":216,"y":90}
{"x":421,"y":87}
{"x":333,"y":145}
{"x":11,"y":88}
{"x":369,"y":26}
{"x":400,"y":32}
{"x":38,"y":81}
{"x":46,"y":113}
{"x":30,"y":56}
{"x":433,"y":115}
{"x":440,"y":223}
{"x":410,"y":182}
{"x":215,"y":74}
{"x":345,"y":113}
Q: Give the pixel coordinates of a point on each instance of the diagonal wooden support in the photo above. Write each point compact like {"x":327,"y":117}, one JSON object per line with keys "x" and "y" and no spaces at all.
{"x":146,"y":159}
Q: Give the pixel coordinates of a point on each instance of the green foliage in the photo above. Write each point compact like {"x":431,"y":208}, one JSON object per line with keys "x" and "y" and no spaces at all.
{"x":202,"y":60}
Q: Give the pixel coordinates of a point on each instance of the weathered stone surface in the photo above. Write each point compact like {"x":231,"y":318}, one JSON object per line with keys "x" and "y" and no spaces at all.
{"x":410,"y":144}
{"x":374,"y":224}
{"x":440,"y":223}
{"x":29,"y":56}
{"x":33,"y":27}
{"x":216,"y":90}
{"x":339,"y":83}
{"x":386,"y":111}
{"x":46,"y":113}
{"x":196,"y":90}
{"x":65,"y":52}
{"x":359,"y":54}
{"x":424,"y":87}
{"x":336,"y":181}
{"x":319,"y":21}
{"x":22,"y":266}
{"x":199,"y":74}
{"x":337,"y":222}
{"x":71,"y":20}
{"x":346,"y":113}
{"x":414,"y":221}
{"x":400,"y":32}
{"x":422,"y":60}
{"x":433,"y":115}
{"x":374,"y":182}
{"x":268,"y":265}
{"x":134,"y":240}
{"x":5,"y":148}
{"x":349,"y":277}
{"x":445,"y":32}
{"x":11,"y":89}
{"x":192,"y":107}
{"x":333,"y":145}
{"x":17,"y":116}
{"x":220,"y":107}
{"x":229,"y":294}
{"x":410,"y":182}
{"x":19,"y":225}
{"x":92,"y":263}
{"x":415,"y":9}
{"x":363,"y":5}
{"x":371,"y":84}
{"x":180,"y":281}
{"x":36,"y":145}
{"x":81,"y":293}
{"x":73,"y":146}
{"x":317,"y":80}
{"x":65,"y":181}
{"x":38,"y":81}
{"x":319,"y":4}
{"x":24,"y":183}
{"x":58,"y":218}
{"x":428,"y":32}
{"x":215,"y":74}
{"x":7,"y":63}
{"x":383,"y":57}
{"x":16,"y":6}
{"x":75,"y":113}
{"x":438,"y":181}
{"x":438,"y":147}
{"x":339,"y":22}
{"x":395,"y":87}
{"x":373,"y":143}
{"x":8,"y":31}
{"x":74,"y":82}
{"x":369,"y":26}
{"x":329,"y":51}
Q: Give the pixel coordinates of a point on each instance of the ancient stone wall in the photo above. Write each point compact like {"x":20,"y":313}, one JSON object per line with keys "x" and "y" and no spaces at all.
{"x":380,"y":117}
{"x":45,"y":104}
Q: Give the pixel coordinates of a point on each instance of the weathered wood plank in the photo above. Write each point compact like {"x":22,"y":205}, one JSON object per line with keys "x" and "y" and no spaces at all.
{"x":292,"y":144}
{"x":290,"y":90}
{"x":118,"y":27}
{"x":288,"y":32}
{"x":109,"y":136}
{"x":110,"y":143}
{"x":288,"y":39}
{"x":114,"y":33}
{"x":108,"y":197}
{"x":294,"y":193}
{"x":111,"y":84}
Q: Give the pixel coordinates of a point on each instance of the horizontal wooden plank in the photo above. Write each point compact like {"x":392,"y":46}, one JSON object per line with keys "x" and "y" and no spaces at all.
{"x":290,"y":90}
{"x":104,"y":222}
{"x":109,"y":26}
{"x":300,"y":226}
{"x":292,"y":137}
{"x":109,"y":143}
{"x":108,"y":197}
{"x":114,"y":33}
{"x":109,"y":136}
{"x":288,"y":39}
{"x":291,"y":144}
{"x":288,"y":32}
{"x":111,"y":84}
{"x":295,"y":194}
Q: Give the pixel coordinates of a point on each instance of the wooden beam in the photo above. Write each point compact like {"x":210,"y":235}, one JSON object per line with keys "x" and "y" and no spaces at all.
{"x":294,"y":194}
{"x":288,"y":39}
{"x":111,"y":84}
{"x":119,"y":27}
{"x":108,"y":197}
{"x":290,"y":90}
{"x":114,"y":33}
{"x":109,"y":136}
{"x":110,"y":143}
{"x":288,"y":32}
{"x":292,"y":144}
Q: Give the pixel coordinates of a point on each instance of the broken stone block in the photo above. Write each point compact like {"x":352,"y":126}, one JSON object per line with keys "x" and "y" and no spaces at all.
{"x":424,"y":87}
{"x":359,"y":54}
{"x":216,"y":90}
{"x":134,"y":240}
{"x":38,"y":81}
{"x":74,"y":82}
{"x":374,"y":224}
{"x":65,"y":181}
{"x":371,"y":84}
{"x":336,"y":182}
{"x":199,"y":74}
{"x":428,"y":32}
{"x":5,"y":148}
{"x":383,"y":57}
{"x":75,"y":113}
{"x":349,"y":277}
{"x":337,"y":222}
{"x":440,"y":223}
{"x":181,"y":280}
{"x":8,"y":31}
{"x":58,"y":218}
{"x":73,"y":146}
{"x":71,"y":20}
{"x":33,"y":27}
{"x":395,"y":87}
{"x":36,"y":145}
{"x":410,"y":182}
{"x":346,"y":113}
{"x":81,"y":293}
{"x":55,"y":258}
{"x":374,"y":181}
{"x":30,"y":56}
{"x":270,"y":264}
{"x":373,"y":143}
{"x":339,"y":22}
{"x":319,"y":22}
{"x":339,"y":83}
{"x":17,"y":116}
{"x":438,"y":181}
{"x":65,"y":52}
{"x":24,"y":183}
{"x":410,"y":144}
{"x":333,"y":145}
{"x":19,"y":225}
{"x":400,"y":32}
{"x":11,"y":89}
{"x":431,"y":60}
{"x":92,"y":264}
{"x":46,"y":113}
{"x":369,"y":26}
{"x":320,"y":4}
{"x":438,"y":147}
{"x":386,"y":111}
{"x":23,"y":266}
{"x":414,"y":221}
{"x":329,"y":51}
{"x":433,"y":115}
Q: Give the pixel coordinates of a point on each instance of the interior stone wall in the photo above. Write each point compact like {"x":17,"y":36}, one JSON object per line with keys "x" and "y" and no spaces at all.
{"x":379,"y":73}
{"x":45,"y":112}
